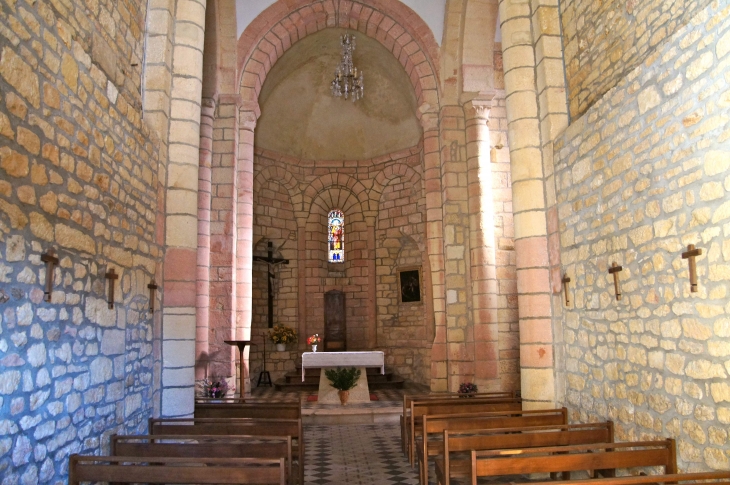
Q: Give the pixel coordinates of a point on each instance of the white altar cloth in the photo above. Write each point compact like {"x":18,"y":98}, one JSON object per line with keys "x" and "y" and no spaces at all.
{"x":343,"y":359}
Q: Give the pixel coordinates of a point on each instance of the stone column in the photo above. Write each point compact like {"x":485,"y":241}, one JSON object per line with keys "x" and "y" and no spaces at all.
{"x":204,"y":197}
{"x":482,"y":244}
{"x":533,"y":120}
{"x":435,"y":246}
{"x":244,"y":234}
{"x":222,"y":261}
{"x":181,"y":220}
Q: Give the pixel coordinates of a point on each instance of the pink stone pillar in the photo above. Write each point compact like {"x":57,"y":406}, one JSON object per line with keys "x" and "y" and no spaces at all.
{"x":482,"y":244}
{"x":435,"y":246}
{"x":202,"y":327}
{"x":222,"y":259}
{"x":244,"y":234}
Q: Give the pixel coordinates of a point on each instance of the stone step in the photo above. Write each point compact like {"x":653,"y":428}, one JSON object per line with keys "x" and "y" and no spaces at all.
{"x":294,"y":383}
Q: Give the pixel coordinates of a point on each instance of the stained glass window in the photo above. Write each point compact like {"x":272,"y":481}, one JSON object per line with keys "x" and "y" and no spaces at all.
{"x":336,"y":236}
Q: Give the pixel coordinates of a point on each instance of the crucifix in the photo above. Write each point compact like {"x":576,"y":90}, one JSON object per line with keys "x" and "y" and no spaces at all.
{"x":111,"y":276}
{"x":614,"y":270}
{"x":690,"y":255}
{"x":565,"y":281}
{"x":50,"y":259}
{"x":270,"y":260}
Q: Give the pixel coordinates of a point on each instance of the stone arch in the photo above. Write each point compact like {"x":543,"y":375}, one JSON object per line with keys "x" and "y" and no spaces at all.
{"x":322,"y":187}
{"x":284,"y":177}
{"x":393,"y":24}
{"x":385,"y":176}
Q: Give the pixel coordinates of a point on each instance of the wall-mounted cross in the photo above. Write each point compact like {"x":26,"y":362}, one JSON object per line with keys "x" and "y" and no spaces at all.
{"x":50,"y":259}
{"x":111,"y":276}
{"x":690,"y":255}
{"x":566,"y":280}
{"x":270,"y":260}
{"x":615,"y":269}
{"x":152,"y":286}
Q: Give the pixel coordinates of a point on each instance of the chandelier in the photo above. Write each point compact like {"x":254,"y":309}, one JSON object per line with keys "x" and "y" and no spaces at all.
{"x":346,"y":81}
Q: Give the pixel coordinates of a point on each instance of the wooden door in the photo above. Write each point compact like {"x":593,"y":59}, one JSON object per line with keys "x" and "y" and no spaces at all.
{"x":335,"y":330}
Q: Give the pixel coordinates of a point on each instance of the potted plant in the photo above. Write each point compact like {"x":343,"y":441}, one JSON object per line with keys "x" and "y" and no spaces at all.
{"x":343,"y":380}
{"x":313,"y":340}
{"x":215,"y":387}
{"x":467,"y":388}
{"x":282,"y":335}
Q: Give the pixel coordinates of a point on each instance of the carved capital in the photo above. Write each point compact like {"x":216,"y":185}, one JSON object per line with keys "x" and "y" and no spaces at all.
{"x":247,"y":119}
{"x":481,"y":104}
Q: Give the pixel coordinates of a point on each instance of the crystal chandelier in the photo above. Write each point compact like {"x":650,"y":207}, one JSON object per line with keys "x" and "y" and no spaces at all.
{"x":346,"y":79}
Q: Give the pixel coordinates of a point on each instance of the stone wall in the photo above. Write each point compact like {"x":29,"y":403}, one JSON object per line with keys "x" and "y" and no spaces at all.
{"x":604,"y":41}
{"x":291,"y":200}
{"x":640,"y":176}
{"x":78,"y":173}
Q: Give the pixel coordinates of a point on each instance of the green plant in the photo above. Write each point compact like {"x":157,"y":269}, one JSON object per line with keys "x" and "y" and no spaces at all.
{"x":281,"y":334}
{"x":343,"y":379}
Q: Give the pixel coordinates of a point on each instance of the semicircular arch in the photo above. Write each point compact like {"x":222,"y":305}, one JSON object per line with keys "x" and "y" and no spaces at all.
{"x":402,"y":31}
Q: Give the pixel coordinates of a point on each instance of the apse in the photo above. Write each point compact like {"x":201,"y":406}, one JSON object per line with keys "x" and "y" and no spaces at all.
{"x":301,"y":118}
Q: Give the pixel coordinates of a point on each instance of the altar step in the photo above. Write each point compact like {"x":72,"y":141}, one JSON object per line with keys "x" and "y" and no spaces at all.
{"x":292,"y":381}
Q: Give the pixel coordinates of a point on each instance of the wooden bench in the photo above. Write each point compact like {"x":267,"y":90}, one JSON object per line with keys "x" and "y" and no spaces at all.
{"x":429,"y":436}
{"x":248,"y":410}
{"x":602,"y":457}
{"x":521,"y":438}
{"x":453,"y":406}
{"x":204,"y":446}
{"x":241,"y":426}
{"x":718,"y":478}
{"x":129,"y":469}
{"x":407,"y":398}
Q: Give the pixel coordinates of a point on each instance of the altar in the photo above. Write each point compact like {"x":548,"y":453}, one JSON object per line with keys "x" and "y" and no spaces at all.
{"x":361,"y":360}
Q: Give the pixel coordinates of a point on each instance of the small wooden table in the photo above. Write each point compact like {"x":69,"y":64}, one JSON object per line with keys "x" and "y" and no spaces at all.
{"x":241,"y":344}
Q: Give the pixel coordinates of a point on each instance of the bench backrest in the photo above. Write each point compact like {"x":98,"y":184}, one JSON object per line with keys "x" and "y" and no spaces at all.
{"x":599,"y":456}
{"x":248,"y":410}
{"x":527,"y":437}
{"x":437,"y":423}
{"x":202,"y":446}
{"x":723,"y":477}
{"x":126,"y":469}
{"x":460,"y":406}
{"x":408,"y":398}
{"x":214,"y":426}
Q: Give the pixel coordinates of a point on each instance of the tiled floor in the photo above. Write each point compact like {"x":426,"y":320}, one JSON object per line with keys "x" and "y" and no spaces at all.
{"x":367,"y":454}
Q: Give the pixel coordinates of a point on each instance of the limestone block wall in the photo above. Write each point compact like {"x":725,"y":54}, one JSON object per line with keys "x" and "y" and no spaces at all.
{"x":604,"y":41}
{"x":78,"y":173}
{"x":640,"y":176}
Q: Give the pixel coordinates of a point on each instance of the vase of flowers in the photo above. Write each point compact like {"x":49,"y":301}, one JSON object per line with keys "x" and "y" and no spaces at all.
{"x":314,"y":340}
{"x":282,"y":335}
{"x":467,"y":388}
{"x":215,"y":387}
{"x":343,"y":380}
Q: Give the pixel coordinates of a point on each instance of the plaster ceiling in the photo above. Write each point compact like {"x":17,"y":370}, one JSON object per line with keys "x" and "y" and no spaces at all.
{"x":431,"y":11}
{"x":300,"y":117}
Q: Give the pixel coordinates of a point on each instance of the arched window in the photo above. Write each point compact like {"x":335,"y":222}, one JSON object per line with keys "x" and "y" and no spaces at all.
{"x":336,"y":236}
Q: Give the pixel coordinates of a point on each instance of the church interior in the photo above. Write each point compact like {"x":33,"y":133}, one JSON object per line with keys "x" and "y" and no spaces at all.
{"x":525,"y":195}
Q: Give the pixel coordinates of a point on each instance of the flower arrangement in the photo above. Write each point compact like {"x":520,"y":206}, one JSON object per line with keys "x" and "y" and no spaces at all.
{"x":281,"y":334}
{"x":467,"y":388}
{"x":314,"y":339}
{"x":215,"y":387}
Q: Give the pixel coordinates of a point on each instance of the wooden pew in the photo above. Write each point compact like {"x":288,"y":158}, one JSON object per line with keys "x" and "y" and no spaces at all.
{"x":129,"y":469}
{"x":718,"y":477}
{"x":204,"y":446}
{"x":240,"y":426}
{"x":429,"y":436}
{"x":519,"y":438}
{"x":248,"y":410}
{"x":604,"y":457}
{"x":418,"y":409}
{"x":407,"y":398}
